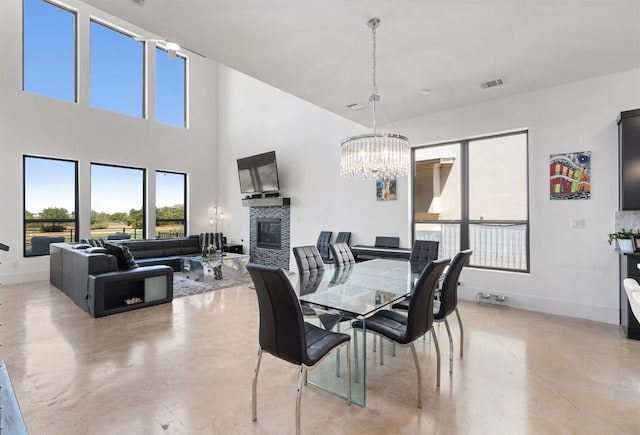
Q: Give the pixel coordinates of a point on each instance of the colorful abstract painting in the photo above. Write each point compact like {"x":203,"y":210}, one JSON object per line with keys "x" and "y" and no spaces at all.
{"x":570,"y":175}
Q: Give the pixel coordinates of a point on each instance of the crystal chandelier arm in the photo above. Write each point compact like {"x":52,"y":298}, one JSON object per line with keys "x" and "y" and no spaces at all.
{"x":374,"y":23}
{"x":377,"y":156}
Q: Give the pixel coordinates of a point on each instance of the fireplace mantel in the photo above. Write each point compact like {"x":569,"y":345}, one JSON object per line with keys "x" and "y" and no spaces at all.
{"x":266,"y":202}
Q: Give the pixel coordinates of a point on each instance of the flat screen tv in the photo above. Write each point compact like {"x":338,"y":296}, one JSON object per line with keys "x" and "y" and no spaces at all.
{"x":258,"y":174}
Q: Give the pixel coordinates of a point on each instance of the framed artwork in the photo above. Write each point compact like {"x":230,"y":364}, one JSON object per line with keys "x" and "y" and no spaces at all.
{"x":386,"y":189}
{"x":570,"y":175}
{"x":635,"y":240}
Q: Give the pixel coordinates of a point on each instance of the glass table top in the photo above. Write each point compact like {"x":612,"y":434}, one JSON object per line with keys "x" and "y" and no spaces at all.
{"x":359,"y":289}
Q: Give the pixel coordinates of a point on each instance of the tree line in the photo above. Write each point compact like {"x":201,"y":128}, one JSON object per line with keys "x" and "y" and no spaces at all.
{"x":100,"y":220}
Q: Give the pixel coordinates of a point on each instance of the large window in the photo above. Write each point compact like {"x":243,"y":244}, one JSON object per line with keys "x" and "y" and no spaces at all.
{"x":50,"y":203}
{"x":117,"y":201}
{"x":474,"y":194}
{"x":171,"y":200}
{"x":171,"y":89}
{"x":117,"y":71}
{"x":49,"y":48}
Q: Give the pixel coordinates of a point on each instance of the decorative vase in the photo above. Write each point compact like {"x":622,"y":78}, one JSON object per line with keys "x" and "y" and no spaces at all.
{"x":624,"y":245}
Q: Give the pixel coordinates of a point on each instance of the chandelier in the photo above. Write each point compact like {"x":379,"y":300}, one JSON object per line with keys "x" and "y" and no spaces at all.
{"x":374,"y":155}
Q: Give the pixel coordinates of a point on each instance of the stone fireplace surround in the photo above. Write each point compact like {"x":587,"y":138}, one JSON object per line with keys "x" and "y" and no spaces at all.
{"x":270,"y":257}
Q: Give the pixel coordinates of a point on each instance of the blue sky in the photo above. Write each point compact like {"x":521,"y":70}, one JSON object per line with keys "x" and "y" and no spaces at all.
{"x":107,"y":185}
{"x":116,"y":83}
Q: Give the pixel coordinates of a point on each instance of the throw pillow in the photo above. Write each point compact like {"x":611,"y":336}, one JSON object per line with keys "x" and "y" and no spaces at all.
{"x":93,"y":242}
{"x":123,"y":255}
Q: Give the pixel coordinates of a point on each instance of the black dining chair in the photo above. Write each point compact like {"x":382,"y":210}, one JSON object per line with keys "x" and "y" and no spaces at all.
{"x":285,"y":335}
{"x":323,"y":245}
{"x":424,"y":251}
{"x":308,"y":259}
{"x":343,"y":237}
{"x":447,"y":303}
{"x":341,"y":254}
{"x":310,"y":274}
{"x":403,"y":329}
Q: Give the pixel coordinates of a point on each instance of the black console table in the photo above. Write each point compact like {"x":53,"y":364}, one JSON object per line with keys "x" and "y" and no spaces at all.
{"x":361,"y":253}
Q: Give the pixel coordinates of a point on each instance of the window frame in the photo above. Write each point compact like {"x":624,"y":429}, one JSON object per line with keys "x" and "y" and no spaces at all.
{"x":185,"y":118}
{"x":26,"y":221}
{"x":144,"y":190}
{"x":144,"y":113}
{"x":464,"y":222}
{"x":184,"y":193}
{"x":76,"y":72}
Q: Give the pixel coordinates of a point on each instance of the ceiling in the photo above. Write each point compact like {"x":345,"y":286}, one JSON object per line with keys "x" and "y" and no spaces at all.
{"x":321,"y":51}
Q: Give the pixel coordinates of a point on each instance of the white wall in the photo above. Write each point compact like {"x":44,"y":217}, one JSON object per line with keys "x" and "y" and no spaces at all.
{"x":573,"y":271}
{"x":255,"y":118}
{"x":36,"y":125}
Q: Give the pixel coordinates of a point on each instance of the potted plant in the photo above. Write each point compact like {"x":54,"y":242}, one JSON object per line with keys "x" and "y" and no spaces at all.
{"x":623,"y":239}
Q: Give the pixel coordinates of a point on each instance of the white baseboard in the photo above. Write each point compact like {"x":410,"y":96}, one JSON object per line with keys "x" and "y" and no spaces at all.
{"x":550,"y":306}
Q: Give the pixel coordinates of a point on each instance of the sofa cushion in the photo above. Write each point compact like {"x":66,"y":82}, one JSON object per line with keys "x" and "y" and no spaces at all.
{"x":171,"y":247}
{"x":190,"y":245}
{"x":123,"y":255}
{"x":144,"y":248}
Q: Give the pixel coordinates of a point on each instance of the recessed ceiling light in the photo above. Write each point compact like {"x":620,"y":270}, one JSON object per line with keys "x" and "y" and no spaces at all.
{"x":425,"y":91}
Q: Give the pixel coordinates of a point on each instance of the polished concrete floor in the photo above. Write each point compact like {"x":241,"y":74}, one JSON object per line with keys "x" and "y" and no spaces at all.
{"x":186,"y":368}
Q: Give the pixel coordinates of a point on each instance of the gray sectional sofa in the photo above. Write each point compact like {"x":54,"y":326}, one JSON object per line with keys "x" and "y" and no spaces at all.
{"x":91,"y":278}
{"x":150,"y":252}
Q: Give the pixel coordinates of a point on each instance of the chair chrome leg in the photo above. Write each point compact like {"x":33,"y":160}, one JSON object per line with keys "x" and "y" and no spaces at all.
{"x":301,"y":375}
{"x":415,"y":360}
{"x":254,"y":404}
{"x":446,"y":323}
{"x":393,"y":348}
{"x":348,"y":373}
{"x":461,"y":331}
{"x":435,"y":342}
{"x":381,"y":353}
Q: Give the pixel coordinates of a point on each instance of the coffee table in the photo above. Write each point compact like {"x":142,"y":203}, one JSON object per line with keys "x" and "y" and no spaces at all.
{"x":228,"y":265}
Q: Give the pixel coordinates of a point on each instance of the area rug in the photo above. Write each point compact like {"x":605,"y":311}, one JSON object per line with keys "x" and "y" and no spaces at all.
{"x":183,"y":286}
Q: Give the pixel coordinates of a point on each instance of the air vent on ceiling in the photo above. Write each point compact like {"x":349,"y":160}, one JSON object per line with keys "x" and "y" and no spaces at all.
{"x":139,"y":2}
{"x":355,"y":106}
{"x":493,"y":83}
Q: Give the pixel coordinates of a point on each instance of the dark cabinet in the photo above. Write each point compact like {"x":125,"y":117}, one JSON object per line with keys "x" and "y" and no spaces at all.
{"x":629,"y":165}
{"x":629,"y":154}
{"x":630,"y":268}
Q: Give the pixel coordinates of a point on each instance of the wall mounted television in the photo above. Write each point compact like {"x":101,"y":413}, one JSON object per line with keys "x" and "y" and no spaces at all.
{"x":258,"y":174}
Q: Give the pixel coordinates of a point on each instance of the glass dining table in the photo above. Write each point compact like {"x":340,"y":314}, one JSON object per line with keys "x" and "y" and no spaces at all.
{"x":349,"y":293}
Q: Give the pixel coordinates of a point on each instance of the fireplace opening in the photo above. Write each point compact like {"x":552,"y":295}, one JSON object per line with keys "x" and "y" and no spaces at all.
{"x":269,"y":233}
